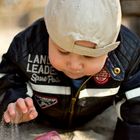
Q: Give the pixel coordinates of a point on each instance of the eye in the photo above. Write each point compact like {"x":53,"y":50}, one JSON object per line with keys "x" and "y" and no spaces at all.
{"x":63,"y":52}
{"x":88,"y":57}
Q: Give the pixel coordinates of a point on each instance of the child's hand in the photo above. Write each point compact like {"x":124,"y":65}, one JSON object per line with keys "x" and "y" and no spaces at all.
{"x":22,"y":110}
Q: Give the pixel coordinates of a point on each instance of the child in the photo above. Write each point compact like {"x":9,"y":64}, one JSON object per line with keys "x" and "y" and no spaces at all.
{"x":75,"y":69}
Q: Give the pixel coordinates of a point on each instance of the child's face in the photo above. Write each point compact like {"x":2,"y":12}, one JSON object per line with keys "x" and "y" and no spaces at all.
{"x":75,"y":65}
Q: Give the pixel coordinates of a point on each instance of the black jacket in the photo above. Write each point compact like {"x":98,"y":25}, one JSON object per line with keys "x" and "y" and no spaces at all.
{"x":25,"y":70}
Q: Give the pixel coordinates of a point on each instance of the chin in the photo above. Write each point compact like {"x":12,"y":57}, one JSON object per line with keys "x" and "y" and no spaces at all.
{"x":74,"y":76}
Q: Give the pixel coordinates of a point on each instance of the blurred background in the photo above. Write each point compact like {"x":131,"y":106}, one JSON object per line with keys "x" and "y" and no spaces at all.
{"x":15,"y":15}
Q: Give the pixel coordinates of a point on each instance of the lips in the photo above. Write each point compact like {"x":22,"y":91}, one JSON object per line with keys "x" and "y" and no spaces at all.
{"x":73,"y":75}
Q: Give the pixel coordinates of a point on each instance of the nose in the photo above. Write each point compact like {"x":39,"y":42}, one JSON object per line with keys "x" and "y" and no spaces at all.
{"x":75,"y":63}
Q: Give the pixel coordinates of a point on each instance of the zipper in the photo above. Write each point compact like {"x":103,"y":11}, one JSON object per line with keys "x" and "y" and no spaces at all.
{"x":74,"y":99}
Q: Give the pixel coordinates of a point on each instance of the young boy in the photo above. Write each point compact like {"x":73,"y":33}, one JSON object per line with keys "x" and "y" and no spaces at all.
{"x":75,"y":69}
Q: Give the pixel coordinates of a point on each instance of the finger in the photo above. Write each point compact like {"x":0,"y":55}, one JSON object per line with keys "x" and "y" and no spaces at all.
{"x":33,"y":114}
{"x":13,"y":113}
{"x":32,"y":110}
{"x":21,"y":105}
{"x":11,"y":110}
{"x":29,"y":102}
{"x":6,"y":117}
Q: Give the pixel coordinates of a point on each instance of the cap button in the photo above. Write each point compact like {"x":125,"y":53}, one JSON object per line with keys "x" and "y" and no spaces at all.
{"x":117,"y":70}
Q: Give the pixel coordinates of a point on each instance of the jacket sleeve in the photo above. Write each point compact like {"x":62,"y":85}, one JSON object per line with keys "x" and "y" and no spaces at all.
{"x":12,"y":80}
{"x":128,"y":124}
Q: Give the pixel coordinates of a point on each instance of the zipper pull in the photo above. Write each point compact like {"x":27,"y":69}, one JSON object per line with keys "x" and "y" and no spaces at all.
{"x":73,"y":101}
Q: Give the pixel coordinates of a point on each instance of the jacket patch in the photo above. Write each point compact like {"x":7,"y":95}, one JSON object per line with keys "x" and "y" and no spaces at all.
{"x":45,"y":102}
{"x":102,"y":77}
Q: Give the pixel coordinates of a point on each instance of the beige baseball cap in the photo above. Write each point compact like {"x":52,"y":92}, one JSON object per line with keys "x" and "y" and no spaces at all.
{"x":96,"y":21}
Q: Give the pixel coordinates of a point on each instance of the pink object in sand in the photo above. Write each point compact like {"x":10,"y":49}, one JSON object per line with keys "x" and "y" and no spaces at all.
{"x":52,"y":135}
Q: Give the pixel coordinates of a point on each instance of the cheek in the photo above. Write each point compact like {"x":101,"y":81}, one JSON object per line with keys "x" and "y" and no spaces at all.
{"x":94,"y":67}
{"x":56,"y":61}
